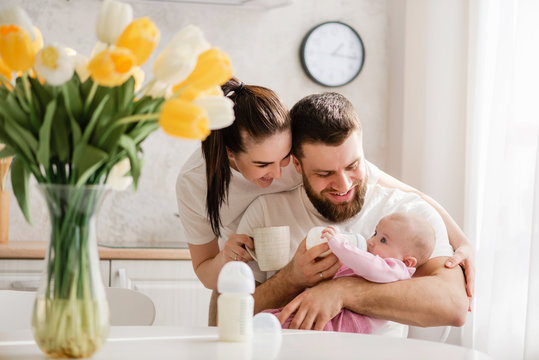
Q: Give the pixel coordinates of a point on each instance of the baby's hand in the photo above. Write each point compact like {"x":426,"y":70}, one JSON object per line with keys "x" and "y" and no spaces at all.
{"x":329,"y":232}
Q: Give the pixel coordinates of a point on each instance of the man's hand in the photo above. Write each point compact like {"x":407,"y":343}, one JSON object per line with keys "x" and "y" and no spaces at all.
{"x":306,"y":268}
{"x":314,"y":307}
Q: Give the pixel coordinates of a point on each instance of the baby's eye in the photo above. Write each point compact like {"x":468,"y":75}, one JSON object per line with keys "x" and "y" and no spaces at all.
{"x":374,"y":233}
{"x":383,"y":240}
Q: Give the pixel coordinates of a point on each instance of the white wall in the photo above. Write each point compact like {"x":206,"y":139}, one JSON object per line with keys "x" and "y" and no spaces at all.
{"x":263,"y":46}
{"x":427,"y":103}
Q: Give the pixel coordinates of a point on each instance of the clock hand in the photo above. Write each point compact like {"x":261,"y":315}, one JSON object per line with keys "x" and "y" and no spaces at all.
{"x":346,"y":56}
{"x":337,"y":49}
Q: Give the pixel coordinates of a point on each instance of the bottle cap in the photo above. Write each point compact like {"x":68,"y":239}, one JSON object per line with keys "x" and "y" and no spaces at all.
{"x":236,"y":277}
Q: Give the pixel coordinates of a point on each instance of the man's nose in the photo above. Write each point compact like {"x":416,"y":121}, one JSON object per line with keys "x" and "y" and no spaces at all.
{"x":342,"y":182}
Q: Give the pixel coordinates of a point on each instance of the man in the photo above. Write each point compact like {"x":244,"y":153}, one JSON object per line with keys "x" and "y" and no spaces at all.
{"x":328,"y":152}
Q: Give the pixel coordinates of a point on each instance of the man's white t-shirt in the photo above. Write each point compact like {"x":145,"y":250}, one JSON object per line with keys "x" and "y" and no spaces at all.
{"x":293,"y":208}
{"x":191,"y":190}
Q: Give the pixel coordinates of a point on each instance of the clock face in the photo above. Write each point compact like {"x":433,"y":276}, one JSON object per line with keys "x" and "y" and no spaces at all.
{"x":332,"y":54}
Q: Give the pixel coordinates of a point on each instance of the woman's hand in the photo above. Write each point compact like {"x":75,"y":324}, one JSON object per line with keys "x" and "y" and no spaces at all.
{"x":234,"y":248}
{"x":464,"y":256}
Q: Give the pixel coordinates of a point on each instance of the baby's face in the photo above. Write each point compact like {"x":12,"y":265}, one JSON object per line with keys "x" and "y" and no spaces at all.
{"x":388,"y":240}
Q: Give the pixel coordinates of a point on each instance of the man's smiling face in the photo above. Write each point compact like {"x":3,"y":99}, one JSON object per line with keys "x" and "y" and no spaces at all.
{"x":335,"y":177}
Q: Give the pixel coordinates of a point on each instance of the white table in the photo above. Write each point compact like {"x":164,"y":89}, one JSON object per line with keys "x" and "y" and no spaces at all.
{"x":160,"y":342}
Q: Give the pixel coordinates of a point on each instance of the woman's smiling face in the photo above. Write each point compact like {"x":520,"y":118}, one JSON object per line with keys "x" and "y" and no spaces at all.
{"x":262,"y":161}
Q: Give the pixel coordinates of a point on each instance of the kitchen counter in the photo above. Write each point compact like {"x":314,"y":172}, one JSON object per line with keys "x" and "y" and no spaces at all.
{"x":37,"y":250}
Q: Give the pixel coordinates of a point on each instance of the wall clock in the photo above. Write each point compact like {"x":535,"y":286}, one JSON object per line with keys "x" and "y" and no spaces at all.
{"x":332,"y":54}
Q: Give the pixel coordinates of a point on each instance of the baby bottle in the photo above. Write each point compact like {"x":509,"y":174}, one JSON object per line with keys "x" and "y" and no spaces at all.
{"x":235,"y":305}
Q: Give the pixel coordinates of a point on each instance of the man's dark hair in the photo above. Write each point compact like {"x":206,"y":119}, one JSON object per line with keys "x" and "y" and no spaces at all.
{"x":327,"y":118}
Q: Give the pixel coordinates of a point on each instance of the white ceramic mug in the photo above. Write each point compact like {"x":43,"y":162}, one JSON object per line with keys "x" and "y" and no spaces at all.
{"x":272,"y":247}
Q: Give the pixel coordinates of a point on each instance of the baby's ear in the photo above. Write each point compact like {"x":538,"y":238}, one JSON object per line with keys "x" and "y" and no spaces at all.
{"x":410,"y":261}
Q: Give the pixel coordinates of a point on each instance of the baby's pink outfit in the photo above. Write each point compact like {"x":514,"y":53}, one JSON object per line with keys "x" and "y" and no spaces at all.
{"x":358,"y":262}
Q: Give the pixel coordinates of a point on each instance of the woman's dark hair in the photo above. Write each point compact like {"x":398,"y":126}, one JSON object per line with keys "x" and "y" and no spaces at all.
{"x":259,"y":113}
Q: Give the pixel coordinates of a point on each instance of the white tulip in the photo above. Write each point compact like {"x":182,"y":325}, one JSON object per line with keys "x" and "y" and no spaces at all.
{"x":191,"y":36}
{"x":81,"y":64}
{"x":173,"y":65}
{"x":179,"y":58}
{"x":117,"y":179}
{"x":113,"y":18}
{"x":54,"y":64}
{"x":220,"y":110}
{"x":17,"y":16}
{"x":159,"y":89}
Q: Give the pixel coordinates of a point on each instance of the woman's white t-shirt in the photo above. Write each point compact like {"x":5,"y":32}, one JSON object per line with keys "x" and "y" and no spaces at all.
{"x":191,"y":190}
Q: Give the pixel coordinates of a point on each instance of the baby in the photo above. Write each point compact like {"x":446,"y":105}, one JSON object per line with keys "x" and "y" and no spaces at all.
{"x":401,"y":242}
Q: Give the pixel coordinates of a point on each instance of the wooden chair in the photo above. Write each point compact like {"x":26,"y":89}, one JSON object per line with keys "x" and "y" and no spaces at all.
{"x":127,"y":307}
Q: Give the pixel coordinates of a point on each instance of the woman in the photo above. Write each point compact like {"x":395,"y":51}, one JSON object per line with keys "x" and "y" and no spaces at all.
{"x":238,"y":163}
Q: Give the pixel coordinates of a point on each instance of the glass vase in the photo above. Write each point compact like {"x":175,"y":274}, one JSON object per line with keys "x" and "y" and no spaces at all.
{"x":71,"y":315}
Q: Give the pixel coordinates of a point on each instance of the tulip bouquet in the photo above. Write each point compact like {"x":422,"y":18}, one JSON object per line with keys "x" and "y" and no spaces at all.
{"x":76,"y":124}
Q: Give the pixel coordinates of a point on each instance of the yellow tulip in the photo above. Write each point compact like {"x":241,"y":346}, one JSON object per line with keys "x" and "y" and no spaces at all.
{"x":16,"y":48}
{"x":17,"y":16}
{"x":212,"y":69}
{"x":112,"y":67}
{"x":184,"y":119}
{"x":141,"y":37}
{"x":5,"y":70}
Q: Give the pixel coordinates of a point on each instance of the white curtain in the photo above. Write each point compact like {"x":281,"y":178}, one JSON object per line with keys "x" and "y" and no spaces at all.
{"x":502,"y":181}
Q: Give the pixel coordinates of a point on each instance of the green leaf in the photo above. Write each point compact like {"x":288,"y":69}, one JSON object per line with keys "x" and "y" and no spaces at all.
{"x":131,"y":148}
{"x":90,"y":159}
{"x":147,"y":104}
{"x":42,"y":92}
{"x":125,"y":97}
{"x":72,"y":99}
{"x":94,"y":119}
{"x":109,"y":140}
{"x":7,"y":151}
{"x":43,"y":151}
{"x":139,"y":133}
{"x":22,"y":138}
{"x":10,"y":109}
{"x":60,"y":132}
{"x":20,"y":177}
{"x":76,"y":133}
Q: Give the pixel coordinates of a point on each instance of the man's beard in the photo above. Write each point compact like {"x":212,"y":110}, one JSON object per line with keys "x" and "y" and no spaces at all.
{"x":337,"y":212}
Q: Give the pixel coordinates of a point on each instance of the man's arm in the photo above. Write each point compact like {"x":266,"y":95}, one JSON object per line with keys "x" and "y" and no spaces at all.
{"x":435,"y":296}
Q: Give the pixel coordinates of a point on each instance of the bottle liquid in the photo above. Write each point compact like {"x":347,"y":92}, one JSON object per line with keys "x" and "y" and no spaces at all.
{"x":235,"y":305}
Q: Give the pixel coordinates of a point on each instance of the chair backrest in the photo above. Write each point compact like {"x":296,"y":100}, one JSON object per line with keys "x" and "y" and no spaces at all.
{"x":127,"y":307}
{"x":435,"y":333}
{"x":16,"y":309}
